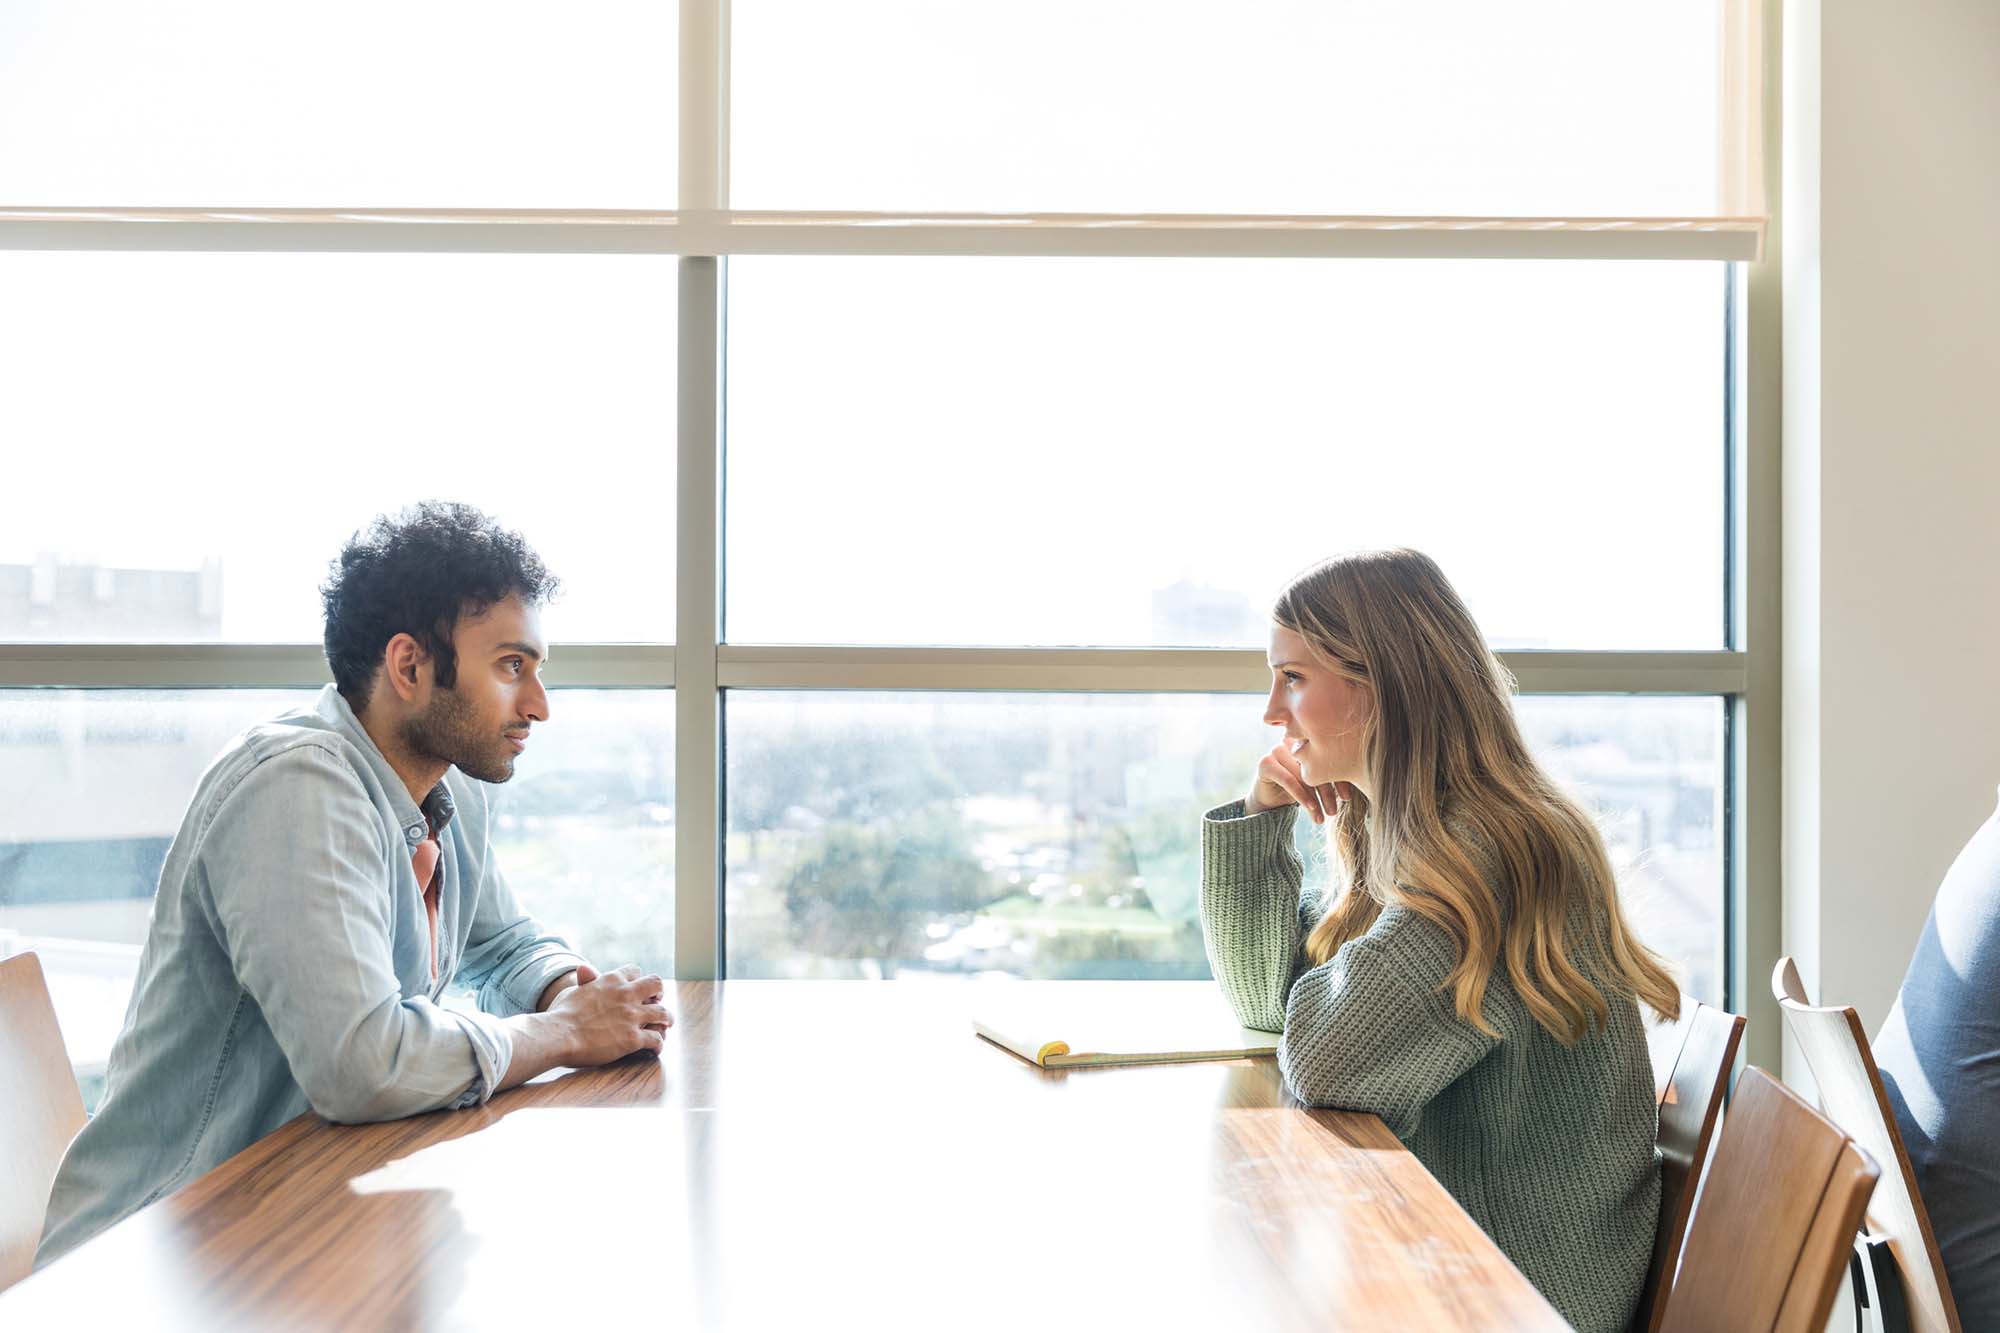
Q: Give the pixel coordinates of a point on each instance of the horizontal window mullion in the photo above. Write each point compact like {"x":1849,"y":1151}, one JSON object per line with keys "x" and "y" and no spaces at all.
{"x":1629,"y":672}
{"x":725,"y":232}
{"x":283,"y":665}
{"x":1170,"y":670}
{"x":612,"y":666}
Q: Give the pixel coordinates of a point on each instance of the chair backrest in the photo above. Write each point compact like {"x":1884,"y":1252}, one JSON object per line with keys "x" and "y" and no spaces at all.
{"x":1852,"y":1095}
{"x":1776,"y":1222}
{"x":40,"y":1110}
{"x":1691,"y":1062}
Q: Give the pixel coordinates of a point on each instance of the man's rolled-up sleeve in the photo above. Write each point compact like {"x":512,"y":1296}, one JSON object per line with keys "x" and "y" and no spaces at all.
{"x":294,"y":864}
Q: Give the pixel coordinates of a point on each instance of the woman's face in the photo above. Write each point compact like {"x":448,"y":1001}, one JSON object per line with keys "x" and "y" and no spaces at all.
{"x":1324,"y":714}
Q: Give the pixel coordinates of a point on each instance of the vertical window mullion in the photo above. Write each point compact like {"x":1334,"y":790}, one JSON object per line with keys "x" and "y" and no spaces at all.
{"x":704,"y":105}
{"x":1757,"y":887}
{"x":704,"y":155}
{"x":697,"y":721}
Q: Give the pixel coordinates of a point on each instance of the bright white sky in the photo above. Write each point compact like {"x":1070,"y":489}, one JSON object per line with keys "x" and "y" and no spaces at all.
{"x":1533,"y":107}
{"x":942,"y":450}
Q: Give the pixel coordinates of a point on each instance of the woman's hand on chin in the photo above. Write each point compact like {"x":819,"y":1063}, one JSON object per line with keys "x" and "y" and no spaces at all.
{"x":1281,"y":780}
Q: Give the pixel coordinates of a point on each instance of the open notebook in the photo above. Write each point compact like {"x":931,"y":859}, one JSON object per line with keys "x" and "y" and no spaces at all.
{"x":1066,"y":1025}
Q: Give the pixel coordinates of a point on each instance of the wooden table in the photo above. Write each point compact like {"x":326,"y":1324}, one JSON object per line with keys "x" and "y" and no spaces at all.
{"x":812,"y":1154}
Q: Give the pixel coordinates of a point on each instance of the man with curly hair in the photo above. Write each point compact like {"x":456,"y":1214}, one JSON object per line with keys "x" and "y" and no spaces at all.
{"x":334,"y":874}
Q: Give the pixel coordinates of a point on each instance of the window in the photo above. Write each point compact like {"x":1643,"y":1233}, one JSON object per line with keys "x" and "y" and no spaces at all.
{"x":915,"y":561}
{"x":1198,"y":430}
{"x":308,"y":392}
{"x":885,"y":834}
{"x":99,"y":780}
{"x":1287,"y":106}
{"x":448,"y":104}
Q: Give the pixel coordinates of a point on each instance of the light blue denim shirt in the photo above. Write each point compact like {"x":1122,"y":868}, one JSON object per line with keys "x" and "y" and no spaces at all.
{"x":288,"y":967}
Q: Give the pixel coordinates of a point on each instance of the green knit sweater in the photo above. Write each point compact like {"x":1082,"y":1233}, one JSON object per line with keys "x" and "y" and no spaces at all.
{"x":1548,"y":1147}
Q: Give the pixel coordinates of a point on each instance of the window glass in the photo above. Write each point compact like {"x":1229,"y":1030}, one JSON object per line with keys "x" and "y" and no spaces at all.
{"x":585,"y":831}
{"x":1651,"y":770}
{"x":1140,"y":452}
{"x":98,"y":782}
{"x":1561,"y":107}
{"x":901,"y":835}
{"x":101,"y":779}
{"x":368,"y":103}
{"x":191,"y":437}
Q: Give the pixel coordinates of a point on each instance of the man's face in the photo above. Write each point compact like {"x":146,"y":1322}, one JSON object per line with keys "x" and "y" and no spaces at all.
{"x":481,"y":723}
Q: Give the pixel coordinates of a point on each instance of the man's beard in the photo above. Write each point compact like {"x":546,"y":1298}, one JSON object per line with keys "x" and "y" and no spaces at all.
{"x":448,"y":733}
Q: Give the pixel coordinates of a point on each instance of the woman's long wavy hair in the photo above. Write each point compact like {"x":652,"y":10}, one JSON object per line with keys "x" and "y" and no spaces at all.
{"x":1451,"y":785}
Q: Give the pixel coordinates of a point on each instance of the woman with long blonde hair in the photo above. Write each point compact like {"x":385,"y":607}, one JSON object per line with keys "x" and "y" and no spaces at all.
{"x":1469,"y":978}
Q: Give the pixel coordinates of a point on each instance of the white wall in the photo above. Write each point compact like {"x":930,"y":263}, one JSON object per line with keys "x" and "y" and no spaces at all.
{"x":1891,"y":218}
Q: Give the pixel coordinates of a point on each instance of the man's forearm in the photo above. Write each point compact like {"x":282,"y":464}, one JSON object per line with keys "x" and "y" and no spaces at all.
{"x":541,"y":1042}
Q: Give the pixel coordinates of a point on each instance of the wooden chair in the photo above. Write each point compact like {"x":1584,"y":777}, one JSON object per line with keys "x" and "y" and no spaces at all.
{"x":1776,"y":1224}
{"x":1691,"y":1063}
{"x":40,"y":1110}
{"x":1851,"y":1094}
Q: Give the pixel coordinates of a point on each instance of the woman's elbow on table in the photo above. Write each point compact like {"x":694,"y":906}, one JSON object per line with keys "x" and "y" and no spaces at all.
{"x":1321,"y":1077}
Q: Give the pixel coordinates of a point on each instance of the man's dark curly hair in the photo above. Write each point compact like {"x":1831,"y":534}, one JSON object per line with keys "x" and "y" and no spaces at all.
{"x":419,"y":572}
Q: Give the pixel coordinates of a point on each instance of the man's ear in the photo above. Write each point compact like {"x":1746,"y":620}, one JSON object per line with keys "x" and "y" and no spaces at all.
{"x":406,"y":668}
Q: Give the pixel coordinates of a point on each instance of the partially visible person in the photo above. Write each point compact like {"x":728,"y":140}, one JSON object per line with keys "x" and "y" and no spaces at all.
{"x":1939,"y":1054}
{"x":334,"y":873}
{"x":1470,"y":979}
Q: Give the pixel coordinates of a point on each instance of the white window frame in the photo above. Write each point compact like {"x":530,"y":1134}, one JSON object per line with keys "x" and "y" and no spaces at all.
{"x":698,"y":666}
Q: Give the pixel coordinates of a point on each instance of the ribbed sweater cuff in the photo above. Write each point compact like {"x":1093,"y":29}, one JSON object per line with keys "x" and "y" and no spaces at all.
{"x":1239,"y":849}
